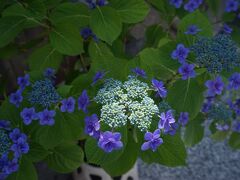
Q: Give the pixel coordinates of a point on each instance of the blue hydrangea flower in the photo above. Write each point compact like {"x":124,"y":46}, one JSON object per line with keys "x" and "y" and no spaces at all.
{"x":192,"y":29}
{"x":234,"y":81}
{"x":159,"y":87}
{"x":183,"y":118}
{"x":227,"y":29}
{"x":236,"y":107}
{"x":232,"y":5}
{"x":20,"y":147}
{"x":49,"y":73}
{"x":5,"y":142}
{"x":16,"y":134}
{"x":166,"y":120}
{"x":11,"y":166}
{"x":43,"y":93}
{"x":176,"y":3}
{"x":99,"y":75}
{"x":28,"y":114}
{"x":16,"y":98}
{"x":220,"y":111}
{"x":216,"y":54}
{"x":92,"y":126}
{"x":180,"y":53}
{"x":191,"y":6}
{"x":187,"y":71}
{"x":139,"y":72}
{"x":83,"y":101}
{"x":87,"y":33}
{"x":5,"y":124}
{"x":68,"y":105}
{"x":46,"y":117}
{"x":222,"y":127}
{"x":215,"y":87}
{"x":172,"y":129}
{"x":23,"y":81}
{"x":153,"y":141}
{"x":110,"y":141}
{"x":236,"y":126}
{"x":93,"y":3}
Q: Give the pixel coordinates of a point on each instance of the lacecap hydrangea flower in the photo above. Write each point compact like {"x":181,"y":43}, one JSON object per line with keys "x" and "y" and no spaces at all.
{"x":13,"y":144}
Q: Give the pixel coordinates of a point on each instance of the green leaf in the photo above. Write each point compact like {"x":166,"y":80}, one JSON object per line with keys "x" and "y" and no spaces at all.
{"x":106,"y":23}
{"x":158,"y":62}
{"x":8,"y":51}
{"x":153,"y":35}
{"x":97,"y":156}
{"x":67,"y":127}
{"x":65,"y":158}
{"x":234,"y":140}
{"x":37,"y":152}
{"x":186,"y":96}
{"x":26,"y":171}
{"x":131,"y":11}
{"x":126,"y":161}
{"x":171,"y":153}
{"x":66,"y":39}
{"x":195,"y":18}
{"x":44,"y":57}
{"x":74,"y":13}
{"x":220,"y":135}
{"x":194,"y":131}
{"x":10,"y":27}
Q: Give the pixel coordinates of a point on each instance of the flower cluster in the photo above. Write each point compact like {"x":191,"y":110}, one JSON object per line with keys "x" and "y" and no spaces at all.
{"x":42,"y":95}
{"x":216,"y":54}
{"x":190,"y":6}
{"x":222,"y":103}
{"x":129,"y":103}
{"x":13,"y":144}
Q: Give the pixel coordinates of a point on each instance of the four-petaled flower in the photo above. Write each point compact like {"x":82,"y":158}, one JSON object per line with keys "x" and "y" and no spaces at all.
{"x":28,"y":114}
{"x":92,"y":126}
{"x":110,"y":141}
{"x":192,"y":29}
{"x":234,"y":81}
{"x":139,"y":72}
{"x":83,"y":101}
{"x":166,"y":120}
{"x":16,"y":98}
{"x":23,"y":81}
{"x":153,"y":141}
{"x":46,"y":117}
{"x":180,"y":53}
{"x":159,"y":87}
{"x":20,"y":147}
{"x":232,"y":5}
{"x":68,"y":105}
{"x":215,"y":87}
{"x":187,"y":71}
{"x":183,"y":118}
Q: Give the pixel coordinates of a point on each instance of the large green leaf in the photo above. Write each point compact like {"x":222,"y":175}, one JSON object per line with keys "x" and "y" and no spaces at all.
{"x":186,"y":96}
{"x":234,"y":140}
{"x":171,"y":153}
{"x":131,"y":11}
{"x":66,"y":39}
{"x":10,"y":27}
{"x":26,"y":171}
{"x":45,"y":57}
{"x":158,"y":62}
{"x":194,"y":131}
{"x":65,"y":158}
{"x":74,"y":13}
{"x":126,"y":161}
{"x":36,"y":152}
{"x":153,"y":35}
{"x":66,"y":128}
{"x":106,"y":23}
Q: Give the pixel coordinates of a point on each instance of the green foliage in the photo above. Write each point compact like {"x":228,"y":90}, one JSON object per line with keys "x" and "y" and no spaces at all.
{"x":234,"y":141}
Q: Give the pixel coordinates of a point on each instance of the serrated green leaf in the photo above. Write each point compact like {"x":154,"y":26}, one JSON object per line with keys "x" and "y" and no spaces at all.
{"x":37,"y":152}
{"x":66,"y":39}
{"x":106,"y":23}
{"x":131,"y":11}
{"x":74,"y":13}
{"x":65,"y":158}
{"x":44,"y":57}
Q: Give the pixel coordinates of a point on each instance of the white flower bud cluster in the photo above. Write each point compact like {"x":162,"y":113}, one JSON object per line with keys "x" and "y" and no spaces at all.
{"x":126,"y":101}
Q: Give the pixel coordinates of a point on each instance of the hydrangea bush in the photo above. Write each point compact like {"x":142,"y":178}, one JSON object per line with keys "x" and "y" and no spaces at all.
{"x":83,"y":97}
